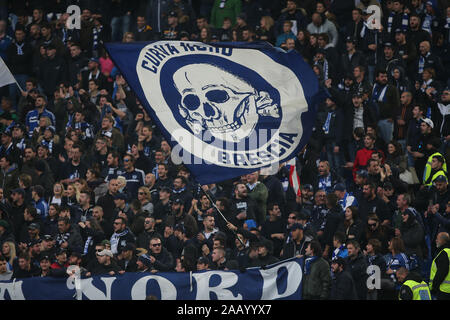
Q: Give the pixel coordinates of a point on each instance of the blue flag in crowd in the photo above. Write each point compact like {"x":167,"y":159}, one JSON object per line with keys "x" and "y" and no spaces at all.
{"x":226,"y":109}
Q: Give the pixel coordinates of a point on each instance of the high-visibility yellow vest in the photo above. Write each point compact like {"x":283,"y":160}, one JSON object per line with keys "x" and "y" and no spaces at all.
{"x":437,"y":174}
{"x":427,"y":171}
{"x":445,"y":285}
{"x":420,"y":290}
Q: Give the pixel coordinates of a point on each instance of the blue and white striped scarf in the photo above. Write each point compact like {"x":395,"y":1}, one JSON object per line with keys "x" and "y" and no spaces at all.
{"x":422,"y":62}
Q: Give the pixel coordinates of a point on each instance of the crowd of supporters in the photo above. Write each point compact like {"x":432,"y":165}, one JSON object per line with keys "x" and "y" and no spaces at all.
{"x":87,"y":180}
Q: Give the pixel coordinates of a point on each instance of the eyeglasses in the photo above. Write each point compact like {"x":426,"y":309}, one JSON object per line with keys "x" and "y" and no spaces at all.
{"x":141,"y":193}
{"x":126,"y":160}
{"x":147,"y":222}
{"x":117,"y":222}
{"x":293,"y":217}
{"x":156,"y":245}
{"x":98,"y":250}
{"x":371,"y":225}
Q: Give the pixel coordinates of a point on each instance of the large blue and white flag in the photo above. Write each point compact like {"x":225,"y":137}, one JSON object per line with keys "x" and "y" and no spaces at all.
{"x":226,"y":109}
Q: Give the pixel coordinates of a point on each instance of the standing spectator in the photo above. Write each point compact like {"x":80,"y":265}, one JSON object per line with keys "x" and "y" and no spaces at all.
{"x":320,"y":24}
{"x":106,"y":264}
{"x":68,"y":236}
{"x":257,"y":191}
{"x":161,"y":259}
{"x":440,"y":270}
{"x":297,"y":243}
{"x":222,"y":9}
{"x":351,"y":226}
{"x":134,"y":177}
{"x":273,"y":228}
{"x":316,"y":278}
{"x":122,"y":235}
{"x":343,"y":286}
{"x":25,"y":269}
{"x":357,"y":266}
{"x":385,"y":99}
{"x":413,"y":287}
{"x":333,"y":218}
{"x":374,"y":257}
{"x":292,"y":13}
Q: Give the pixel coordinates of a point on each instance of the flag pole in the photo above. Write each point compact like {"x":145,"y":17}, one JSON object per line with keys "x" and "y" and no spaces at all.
{"x":220,"y":212}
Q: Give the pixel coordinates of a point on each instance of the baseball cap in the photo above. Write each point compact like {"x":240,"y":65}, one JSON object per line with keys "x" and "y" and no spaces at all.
{"x":4,"y":224}
{"x":296,"y":226}
{"x":48,"y":237}
{"x":105,"y":252}
{"x":339,"y":187}
{"x":362,"y":173}
{"x":177,"y":201}
{"x":388,"y":44}
{"x":339,"y":261}
{"x":18,"y":190}
{"x":129,"y":247}
{"x":307,"y":187}
{"x":145,"y":259}
{"x":34,"y":242}
{"x":173,"y":14}
{"x":350,"y":39}
{"x":398,"y":30}
{"x":44,"y":257}
{"x":250,"y":223}
{"x":7,"y":133}
{"x":179,"y":227}
{"x":202,"y":260}
{"x":429,"y":122}
{"x":120,"y":196}
{"x":441,"y":179}
{"x":94,"y":60}
{"x":34,"y":226}
{"x":388,"y":186}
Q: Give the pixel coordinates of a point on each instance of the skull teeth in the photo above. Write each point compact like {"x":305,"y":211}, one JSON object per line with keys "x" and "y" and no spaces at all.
{"x":233,"y":126}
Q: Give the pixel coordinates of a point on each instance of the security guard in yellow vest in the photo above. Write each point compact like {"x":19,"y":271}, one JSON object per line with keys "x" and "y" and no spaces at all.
{"x":428,"y":166}
{"x":440,"y":268}
{"x":413,"y":288}
{"x":436,"y":171}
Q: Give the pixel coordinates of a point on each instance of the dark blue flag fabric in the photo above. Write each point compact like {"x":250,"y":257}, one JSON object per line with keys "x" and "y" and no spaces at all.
{"x":227,"y":109}
{"x":280,"y":281}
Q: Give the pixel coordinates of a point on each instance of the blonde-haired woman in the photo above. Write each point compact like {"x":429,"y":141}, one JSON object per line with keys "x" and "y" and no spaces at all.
{"x":145,"y":198}
{"x":128,"y":37}
{"x":9,"y":252}
{"x":266,"y":32}
{"x":58,"y":196}
{"x":72,"y":194}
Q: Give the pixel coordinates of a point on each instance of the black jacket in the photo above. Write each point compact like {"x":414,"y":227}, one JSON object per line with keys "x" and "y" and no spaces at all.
{"x":358,"y":268}
{"x":20,"y":63}
{"x":164,"y":261}
{"x":343,"y":287}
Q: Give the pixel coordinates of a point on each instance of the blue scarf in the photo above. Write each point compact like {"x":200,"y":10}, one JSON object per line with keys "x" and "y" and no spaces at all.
{"x":326,"y":126}
{"x":427,"y":21}
{"x":422,"y":62}
{"x":379,"y":93}
{"x":390,"y":20}
{"x":405,"y":22}
{"x":95,"y":37}
{"x":308,"y":262}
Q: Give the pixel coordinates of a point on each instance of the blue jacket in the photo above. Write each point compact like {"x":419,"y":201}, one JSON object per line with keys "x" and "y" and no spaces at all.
{"x":135,"y":179}
{"x":41,"y":207}
{"x":32,"y":119}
